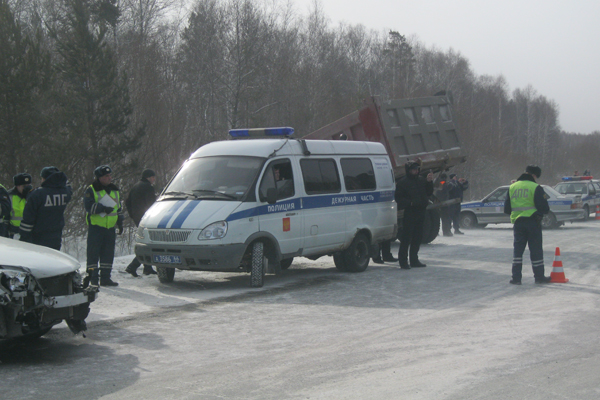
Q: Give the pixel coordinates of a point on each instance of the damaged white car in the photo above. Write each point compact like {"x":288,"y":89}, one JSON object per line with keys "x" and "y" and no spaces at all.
{"x":39,"y":288}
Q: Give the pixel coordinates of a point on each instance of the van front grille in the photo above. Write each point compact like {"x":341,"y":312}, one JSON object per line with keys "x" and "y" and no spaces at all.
{"x":169,"y":235}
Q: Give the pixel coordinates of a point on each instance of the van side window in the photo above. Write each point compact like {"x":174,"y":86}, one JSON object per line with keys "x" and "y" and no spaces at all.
{"x":358,"y":174}
{"x":320,"y":176}
{"x":278,"y":175}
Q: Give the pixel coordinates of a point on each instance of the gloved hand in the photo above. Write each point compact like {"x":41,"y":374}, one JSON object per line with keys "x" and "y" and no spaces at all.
{"x":119,"y":226}
{"x":107,"y":210}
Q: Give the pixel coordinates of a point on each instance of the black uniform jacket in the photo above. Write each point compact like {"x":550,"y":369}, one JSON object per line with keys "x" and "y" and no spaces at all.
{"x":539,"y":199}
{"x":141,"y":197}
{"x":45,"y":207}
{"x":412,"y":192}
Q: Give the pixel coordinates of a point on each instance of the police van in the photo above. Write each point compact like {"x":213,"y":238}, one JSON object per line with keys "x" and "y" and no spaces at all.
{"x":254,"y":205}
{"x":585,"y":186}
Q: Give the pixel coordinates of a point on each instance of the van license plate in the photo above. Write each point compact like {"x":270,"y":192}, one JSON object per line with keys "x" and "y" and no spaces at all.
{"x":166,"y":259}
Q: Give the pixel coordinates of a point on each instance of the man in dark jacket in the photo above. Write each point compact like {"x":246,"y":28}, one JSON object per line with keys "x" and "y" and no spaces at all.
{"x":526,"y":203}
{"x":457,"y":188}
{"x":18,"y":198}
{"x":412,"y":196}
{"x":43,"y":216}
{"x":141,"y":197}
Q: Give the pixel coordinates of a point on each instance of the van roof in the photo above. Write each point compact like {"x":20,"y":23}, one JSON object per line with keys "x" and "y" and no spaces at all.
{"x":265,"y":147}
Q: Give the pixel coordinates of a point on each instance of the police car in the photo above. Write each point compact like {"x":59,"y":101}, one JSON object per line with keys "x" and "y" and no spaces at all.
{"x":584,"y":186}
{"x":39,"y":288}
{"x":490,"y":210}
{"x":254,"y":205}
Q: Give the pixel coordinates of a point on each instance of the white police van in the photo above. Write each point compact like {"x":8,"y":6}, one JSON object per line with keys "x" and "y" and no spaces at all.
{"x":585,"y":186}
{"x":254,"y":205}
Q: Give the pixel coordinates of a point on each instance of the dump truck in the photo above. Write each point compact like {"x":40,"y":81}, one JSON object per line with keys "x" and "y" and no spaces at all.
{"x":416,"y":128}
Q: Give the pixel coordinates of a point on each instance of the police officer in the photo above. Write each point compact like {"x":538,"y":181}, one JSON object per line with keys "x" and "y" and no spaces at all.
{"x":526,"y":202}
{"x":5,"y":209}
{"x":141,"y":197}
{"x":457,"y":188}
{"x":412,"y":196}
{"x":43,"y":215}
{"x":102,"y":202}
{"x":18,"y":197}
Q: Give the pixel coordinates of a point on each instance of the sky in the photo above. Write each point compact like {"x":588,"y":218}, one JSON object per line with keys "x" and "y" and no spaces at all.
{"x":548,"y":44}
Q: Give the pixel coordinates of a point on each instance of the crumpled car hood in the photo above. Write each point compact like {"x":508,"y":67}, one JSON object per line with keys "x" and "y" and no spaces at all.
{"x":43,"y":262}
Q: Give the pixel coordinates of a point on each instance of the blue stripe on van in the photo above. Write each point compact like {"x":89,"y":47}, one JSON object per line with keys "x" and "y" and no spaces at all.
{"x":165,"y":220}
{"x":335,"y":200}
{"x":184,"y":214}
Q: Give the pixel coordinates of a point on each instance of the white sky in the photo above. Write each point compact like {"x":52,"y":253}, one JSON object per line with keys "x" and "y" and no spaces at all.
{"x":550,"y":44}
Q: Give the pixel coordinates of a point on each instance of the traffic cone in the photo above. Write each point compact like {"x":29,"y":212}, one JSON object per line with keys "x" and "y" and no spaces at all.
{"x":558,"y":274}
{"x":597,"y":212}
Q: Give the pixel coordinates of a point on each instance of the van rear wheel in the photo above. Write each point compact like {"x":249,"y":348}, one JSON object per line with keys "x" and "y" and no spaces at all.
{"x":257,"y":273}
{"x":165,"y":274}
{"x":356,"y":257}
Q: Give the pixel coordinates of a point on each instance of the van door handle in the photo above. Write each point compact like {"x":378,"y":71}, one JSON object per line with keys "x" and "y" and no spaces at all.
{"x":288,"y":214}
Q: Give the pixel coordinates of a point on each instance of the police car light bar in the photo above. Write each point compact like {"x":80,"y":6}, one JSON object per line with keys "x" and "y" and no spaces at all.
{"x":261,"y":132}
{"x":577,"y":178}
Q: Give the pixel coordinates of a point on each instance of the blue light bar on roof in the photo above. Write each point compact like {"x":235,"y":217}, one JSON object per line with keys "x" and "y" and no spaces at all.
{"x":261,"y":132}
{"x":577,"y":178}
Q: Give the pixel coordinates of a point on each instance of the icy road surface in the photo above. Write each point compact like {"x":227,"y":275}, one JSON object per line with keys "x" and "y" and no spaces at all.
{"x":453,"y":330}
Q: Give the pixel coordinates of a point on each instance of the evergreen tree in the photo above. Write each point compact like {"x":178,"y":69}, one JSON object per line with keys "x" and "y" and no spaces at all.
{"x":25,"y":78}
{"x":94,"y":99}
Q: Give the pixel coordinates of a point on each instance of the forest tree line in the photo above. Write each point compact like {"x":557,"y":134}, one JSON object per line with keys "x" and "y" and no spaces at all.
{"x":140,"y":84}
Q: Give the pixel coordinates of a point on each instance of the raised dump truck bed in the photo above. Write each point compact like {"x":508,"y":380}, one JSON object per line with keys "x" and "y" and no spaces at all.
{"x":409,"y":129}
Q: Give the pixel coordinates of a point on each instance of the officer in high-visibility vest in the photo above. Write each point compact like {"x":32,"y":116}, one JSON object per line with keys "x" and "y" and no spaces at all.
{"x":5,"y":208}
{"x":102,"y":202}
{"x":18,"y":197}
{"x":526,"y":202}
{"x":43,"y":215}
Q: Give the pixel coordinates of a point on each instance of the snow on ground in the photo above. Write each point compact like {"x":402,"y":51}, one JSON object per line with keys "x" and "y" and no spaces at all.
{"x":480,"y":249}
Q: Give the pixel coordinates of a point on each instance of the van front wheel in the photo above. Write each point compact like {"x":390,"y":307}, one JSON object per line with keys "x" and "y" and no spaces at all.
{"x":165,"y":275}
{"x":356,"y":257}
{"x":257,"y":273}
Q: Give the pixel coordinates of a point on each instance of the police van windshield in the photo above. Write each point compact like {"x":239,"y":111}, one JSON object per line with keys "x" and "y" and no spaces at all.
{"x":571,"y":188}
{"x":222,"y":178}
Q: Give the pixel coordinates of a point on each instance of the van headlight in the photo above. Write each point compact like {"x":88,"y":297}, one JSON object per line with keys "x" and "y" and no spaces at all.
{"x":216,"y":230}
{"x":140,"y":232}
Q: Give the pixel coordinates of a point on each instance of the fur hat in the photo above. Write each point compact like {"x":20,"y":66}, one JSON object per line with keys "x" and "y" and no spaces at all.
{"x":102,"y":170}
{"x":47,"y":171}
{"x":148,"y":173}
{"x":22,"y":179}
{"x":534,"y":170}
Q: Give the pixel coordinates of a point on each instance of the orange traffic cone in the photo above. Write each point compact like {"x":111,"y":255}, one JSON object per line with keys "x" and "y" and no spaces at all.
{"x":597,"y":212}
{"x":558,"y":274}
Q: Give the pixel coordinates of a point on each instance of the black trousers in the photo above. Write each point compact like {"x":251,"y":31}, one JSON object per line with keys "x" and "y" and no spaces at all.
{"x":412,"y":233}
{"x":135,"y":263}
{"x":100,"y":248}
{"x":527,"y":232}
{"x":446,"y":219}
{"x":455,"y":216}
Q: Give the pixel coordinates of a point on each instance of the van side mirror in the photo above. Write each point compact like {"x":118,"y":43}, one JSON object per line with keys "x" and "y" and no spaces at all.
{"x":271,"y":195}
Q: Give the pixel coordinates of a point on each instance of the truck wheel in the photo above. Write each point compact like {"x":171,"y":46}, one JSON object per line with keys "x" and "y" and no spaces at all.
{"x":165,"y":274}
{"x":356,"y":257}
{"x":468,"y":220}
{"x":549,"y":221}
{"x":338,"y":260}
{"x":285,"y":264}
{"x":431,"y":226}
{"x":257,"y":273}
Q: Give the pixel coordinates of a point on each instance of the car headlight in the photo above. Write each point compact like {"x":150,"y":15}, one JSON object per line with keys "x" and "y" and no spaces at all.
{"x":16,"y":280}
{"x":215,"y":230}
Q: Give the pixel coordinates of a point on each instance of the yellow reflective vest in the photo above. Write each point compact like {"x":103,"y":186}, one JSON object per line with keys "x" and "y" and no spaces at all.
{"x":521,"y":199}
{"x":18,"y":205}
{"x":108,"y":220}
